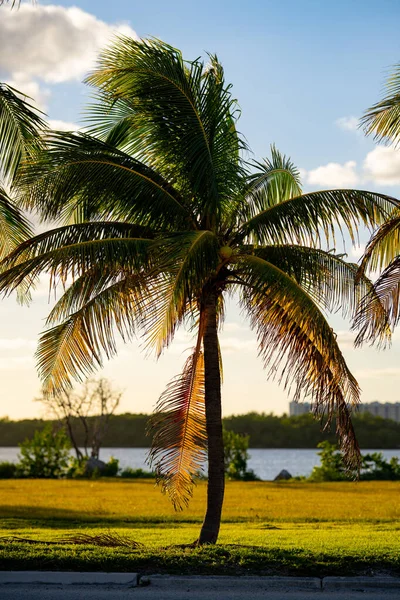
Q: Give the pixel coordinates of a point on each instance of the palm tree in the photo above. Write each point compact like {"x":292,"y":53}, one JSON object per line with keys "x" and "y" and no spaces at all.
{"x":160,"y":218}
{"x":20,"y":129}
{"x":382,"y":121}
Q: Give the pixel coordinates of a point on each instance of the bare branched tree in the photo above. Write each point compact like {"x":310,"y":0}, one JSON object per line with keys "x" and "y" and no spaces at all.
{"x":92,"y":408}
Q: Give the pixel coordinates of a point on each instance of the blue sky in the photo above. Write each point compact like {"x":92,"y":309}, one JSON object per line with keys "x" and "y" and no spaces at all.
{"x":303,"y":73}
{"x":295,"y":66}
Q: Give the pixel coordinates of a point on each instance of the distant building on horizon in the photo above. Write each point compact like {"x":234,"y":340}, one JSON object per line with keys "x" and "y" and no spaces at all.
{"x":299,"y":408}
{"x":386,"y":410}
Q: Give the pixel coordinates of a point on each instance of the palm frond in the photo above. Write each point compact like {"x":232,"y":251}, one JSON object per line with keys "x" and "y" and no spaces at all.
{"x":381,"y":251}
{"x":187,"y":260}
{"x":331,"y":282}
{"x":90,"y":285}
{"x":14,"y":227}
{"x":70,"y":251}
{"x":275,"y":180}
{"x":179,"y":430}
{"x":305,"y":218}
{"x":73,"y":350}
{"x":386,"y":293}
{"x":219,"y":113}
{"x":298,"y":345}
{"x":21,"y":127}
{"x":383,"y":119}
{"x":384,"y":245}
{"x":78,"y":171}
{"x":114,"y":123}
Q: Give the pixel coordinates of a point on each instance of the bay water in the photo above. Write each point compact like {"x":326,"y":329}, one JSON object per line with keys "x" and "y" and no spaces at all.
{"x":265,"y":462}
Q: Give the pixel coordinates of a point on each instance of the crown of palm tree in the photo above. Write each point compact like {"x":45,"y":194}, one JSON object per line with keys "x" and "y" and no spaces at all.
{"x":160,"y":217}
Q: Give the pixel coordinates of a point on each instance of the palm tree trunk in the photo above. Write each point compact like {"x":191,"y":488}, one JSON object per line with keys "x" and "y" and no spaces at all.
{"x":216,"y":475}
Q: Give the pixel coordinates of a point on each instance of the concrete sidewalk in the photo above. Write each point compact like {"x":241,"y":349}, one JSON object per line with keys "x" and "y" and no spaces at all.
{"x":220,"y":583}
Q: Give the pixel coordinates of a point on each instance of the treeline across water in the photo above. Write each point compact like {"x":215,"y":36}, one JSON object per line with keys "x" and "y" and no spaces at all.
{"x":265,"y":431}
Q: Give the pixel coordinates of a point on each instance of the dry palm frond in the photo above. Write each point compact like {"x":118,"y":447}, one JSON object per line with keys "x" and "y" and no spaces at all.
{"x":20,"y":540}
{"x":179,"y":430}
{"x":298,"y":345}
{"x":109,"y":540}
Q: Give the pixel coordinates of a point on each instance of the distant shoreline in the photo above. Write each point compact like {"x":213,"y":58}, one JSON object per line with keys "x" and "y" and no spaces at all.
{"x":264,"y":431}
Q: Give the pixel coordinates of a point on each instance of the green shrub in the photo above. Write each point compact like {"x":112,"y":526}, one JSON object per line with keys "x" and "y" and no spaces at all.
{"x":8,"y":470}
{"x":332,"y":467}
{"x":236,"y":456}
{"x":78,"y":470}
{"x":112,"y":467}
{"x":130,"y":473}
{"x":374,"y":466}
{"x":46,"y":455}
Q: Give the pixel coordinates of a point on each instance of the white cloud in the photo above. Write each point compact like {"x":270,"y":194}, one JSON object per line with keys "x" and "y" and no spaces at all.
{"x":356,"y":252}
{"x":347,"y":123}
{"x":233,"y":327}
{"x":52,"y":43}
{"x":345,"y":338}
{"x":303,"y":174}
{"x":234,"y":344}
{"x":16,"y":362}
{"x":382,"y":165}
{"x":334,"y":175}
{"x":16,"y":343}
{"x":184,"y":341}
{"x":62,"y":125}
{"x":378,"y":373}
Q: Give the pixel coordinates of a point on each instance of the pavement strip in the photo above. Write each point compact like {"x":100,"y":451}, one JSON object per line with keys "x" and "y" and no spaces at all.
{"x":221,"y":582}
{"x":68,"y":578}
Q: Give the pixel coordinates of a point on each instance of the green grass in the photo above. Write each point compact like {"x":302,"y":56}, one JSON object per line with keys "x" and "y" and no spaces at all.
{"x":269,"y":528}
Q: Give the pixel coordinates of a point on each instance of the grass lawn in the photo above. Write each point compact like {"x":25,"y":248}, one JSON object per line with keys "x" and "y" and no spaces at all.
{"x":270,"y":528}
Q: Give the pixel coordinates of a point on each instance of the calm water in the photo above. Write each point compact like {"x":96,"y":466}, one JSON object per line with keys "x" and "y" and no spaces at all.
{"x":266,"y":463}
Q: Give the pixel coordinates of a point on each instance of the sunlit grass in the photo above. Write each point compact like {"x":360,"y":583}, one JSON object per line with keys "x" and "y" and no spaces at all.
{"x":291,"y":528}
{"x":125,"y":500}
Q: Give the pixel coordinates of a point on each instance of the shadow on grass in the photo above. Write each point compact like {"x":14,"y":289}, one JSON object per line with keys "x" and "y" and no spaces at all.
{"x":60,"y":517}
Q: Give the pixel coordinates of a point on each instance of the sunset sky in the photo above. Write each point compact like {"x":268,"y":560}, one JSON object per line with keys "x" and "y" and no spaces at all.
{"x":303,"y":72}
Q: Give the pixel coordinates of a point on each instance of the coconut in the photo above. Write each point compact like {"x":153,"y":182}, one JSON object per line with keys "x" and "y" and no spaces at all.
{"x":225,"y":252}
